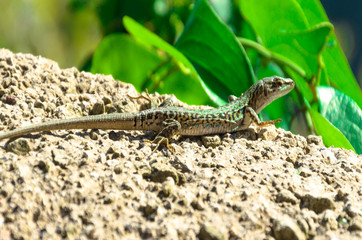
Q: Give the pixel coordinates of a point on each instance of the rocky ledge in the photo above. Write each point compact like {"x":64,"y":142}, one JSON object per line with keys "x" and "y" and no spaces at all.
{"x":255,"y":184}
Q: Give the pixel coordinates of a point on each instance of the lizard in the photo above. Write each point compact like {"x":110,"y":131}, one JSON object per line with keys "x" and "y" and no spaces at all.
{"x":169,"y":120}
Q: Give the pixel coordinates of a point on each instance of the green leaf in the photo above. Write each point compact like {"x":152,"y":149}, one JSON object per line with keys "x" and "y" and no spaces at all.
{"x":343,"y":113}
{"x":215,"y":53}
{"x":340,"y":74}
{"x":130,"y":61}
{"x":125,"y":59}
{"x":336,"y":64}
{"x":331,"y":136}
{"x":143,"y":35}
{"x":309,"y":43}
{"x":308,"y":17}
{"x":190,"y":81}
{"x":286,"y":31}
{"x":271,"y":19}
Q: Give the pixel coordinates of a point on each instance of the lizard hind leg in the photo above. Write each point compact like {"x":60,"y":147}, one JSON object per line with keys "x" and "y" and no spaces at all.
{"x":161,"y":140}
{"x":168,"y":102}
{"x":171,"y":128}
{"x":147,"y":97}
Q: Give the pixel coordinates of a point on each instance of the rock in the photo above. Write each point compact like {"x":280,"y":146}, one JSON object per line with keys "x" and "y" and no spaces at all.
{"x":352,"y":211}
{"x":317,"y":203}
{"x":293,"y":155}
{"x":329,"y":220}
{"x":198,"y":204}
{"x":68,"y":87}
{"x":253,"y":218}
{"x":94,"y":175}
{"x":6,"y":190}
{"x":356,"y":224}
{"x":39,"y":104}
{"x":101,"y":184}
{"x":144,"y":169}
{"x":19,"y":146}
{"x":83,"y":87}
{"x":10,"y":99}
{"x":317,"y":140}
{"x":211,"y":232}
{"x":112,"y":162}
{"x":303,"y":225}
{"x":285,"y":228}
{"x":211,"y":141}
{"x":286,"y":196}
{"x":106,"y":100}
{"x":168,"y":186}
{"x":305,"y":172}
{"x":268,"y":134}
{"x":184,"y":164}
{"x":329,"y":156}
{"x":98,"y":108}
{"x":150,"y":208}
{"x":341,"y":194}
{"x":160,"y":172}
{"x":60,"y":158}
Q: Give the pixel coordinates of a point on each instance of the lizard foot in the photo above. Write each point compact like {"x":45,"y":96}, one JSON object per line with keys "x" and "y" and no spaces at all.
{"x":161,"y":140}
{"x":268,"y":123}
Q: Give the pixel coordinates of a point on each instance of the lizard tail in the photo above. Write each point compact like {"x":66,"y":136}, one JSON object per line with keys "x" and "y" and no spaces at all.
{"x":123,"y":121}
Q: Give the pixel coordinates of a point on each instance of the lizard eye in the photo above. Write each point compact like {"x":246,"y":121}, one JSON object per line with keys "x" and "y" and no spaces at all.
{"x":277,"y":83}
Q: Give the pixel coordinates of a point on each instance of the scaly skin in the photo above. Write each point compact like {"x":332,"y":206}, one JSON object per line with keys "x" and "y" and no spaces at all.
{"x":237,"y":115}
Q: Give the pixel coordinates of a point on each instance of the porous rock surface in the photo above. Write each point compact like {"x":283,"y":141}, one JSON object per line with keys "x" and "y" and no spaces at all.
{"x":95,"y":184}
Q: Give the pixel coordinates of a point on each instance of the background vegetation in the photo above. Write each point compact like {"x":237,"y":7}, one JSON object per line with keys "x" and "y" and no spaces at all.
{"x":204,"y":52}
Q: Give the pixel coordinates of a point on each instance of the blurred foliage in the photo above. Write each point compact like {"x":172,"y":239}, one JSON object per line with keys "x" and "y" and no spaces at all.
{"x":203,"y":51}
{"x":50,"y":28}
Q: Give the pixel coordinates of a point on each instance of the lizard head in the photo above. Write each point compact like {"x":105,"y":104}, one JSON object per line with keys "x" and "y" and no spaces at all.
{"x":267,"y":90}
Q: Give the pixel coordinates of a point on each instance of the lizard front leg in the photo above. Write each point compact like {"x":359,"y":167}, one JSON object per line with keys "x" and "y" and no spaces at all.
{"x":249,"y":112}
{"x":232,"y":98}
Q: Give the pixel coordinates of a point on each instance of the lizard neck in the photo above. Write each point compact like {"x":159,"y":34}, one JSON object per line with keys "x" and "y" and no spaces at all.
{"x":253,"y":97}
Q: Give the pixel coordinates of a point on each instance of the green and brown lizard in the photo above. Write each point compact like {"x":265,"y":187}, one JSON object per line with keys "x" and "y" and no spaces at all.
{"x":169,"y":121}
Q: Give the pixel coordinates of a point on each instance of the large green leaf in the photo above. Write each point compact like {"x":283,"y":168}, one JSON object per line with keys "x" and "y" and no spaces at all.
{"x":143,"y":35}
{"x":336,"y":64}
{"x":331,"y":136}
{"x":215,"y":53}
{"x":190,"y":80}
{"x":284,"y":29}
{"x":299,"y":30}
{"x":131,"y":61}
{"x":343,"y":113}
{"x":125,"y":59}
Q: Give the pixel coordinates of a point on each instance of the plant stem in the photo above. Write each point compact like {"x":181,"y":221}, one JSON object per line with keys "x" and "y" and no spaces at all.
{"x":273,"y":56}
